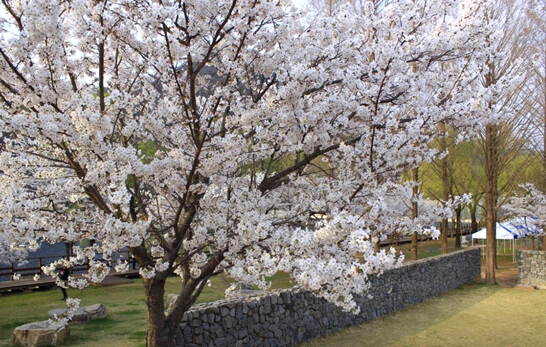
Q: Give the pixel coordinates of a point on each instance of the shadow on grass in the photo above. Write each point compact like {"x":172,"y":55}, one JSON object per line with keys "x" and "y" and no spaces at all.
{"x":393,"y":328}
{"x":138,"y":336}
{"x":132,"y":312}
{"x":99,"y":325}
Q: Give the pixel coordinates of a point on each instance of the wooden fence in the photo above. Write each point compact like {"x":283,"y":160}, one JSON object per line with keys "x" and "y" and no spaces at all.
{"x":34,"y":266}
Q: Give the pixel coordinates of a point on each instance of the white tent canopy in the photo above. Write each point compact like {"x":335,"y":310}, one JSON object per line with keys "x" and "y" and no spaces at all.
{"x":504,"y":232}
{"x":527,"y":226}
{"x":512,"y":230}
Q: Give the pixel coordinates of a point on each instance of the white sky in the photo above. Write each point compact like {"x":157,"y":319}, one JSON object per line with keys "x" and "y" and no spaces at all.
{"x":299,"y":3}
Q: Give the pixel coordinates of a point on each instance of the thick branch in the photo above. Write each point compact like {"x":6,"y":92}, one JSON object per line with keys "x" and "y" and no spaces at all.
{"x":272,"y":182}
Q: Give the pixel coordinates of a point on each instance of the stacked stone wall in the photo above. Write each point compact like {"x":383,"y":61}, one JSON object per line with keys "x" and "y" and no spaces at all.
{"x":532,"y":267}
{"x":286,"y":317}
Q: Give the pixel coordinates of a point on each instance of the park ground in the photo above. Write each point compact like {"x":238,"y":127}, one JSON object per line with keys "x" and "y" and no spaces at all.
{"x":472,"y":315}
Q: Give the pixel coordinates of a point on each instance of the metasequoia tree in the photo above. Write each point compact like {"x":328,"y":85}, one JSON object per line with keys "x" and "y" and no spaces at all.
{"x":532,"y":200}
{"x":453,"y":175}
{"x":444,"y":178}
{"x":537,"y":105}
{"x":465,"y":171}
{"x":330,"y":8}
{"x":414,"y":212}
{"x":158,"y":126}
{"x":469,"y":176}
{"x":501,"y":141}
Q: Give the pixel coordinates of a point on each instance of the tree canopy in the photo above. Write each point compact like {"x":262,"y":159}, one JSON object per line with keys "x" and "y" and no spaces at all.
{"x":151,"y":117}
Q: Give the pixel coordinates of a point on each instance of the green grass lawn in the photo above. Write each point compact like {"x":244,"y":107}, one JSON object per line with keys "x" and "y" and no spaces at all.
{"x":426,"y":249}
{"x":126,"y":321}
{"x":472,"y":315}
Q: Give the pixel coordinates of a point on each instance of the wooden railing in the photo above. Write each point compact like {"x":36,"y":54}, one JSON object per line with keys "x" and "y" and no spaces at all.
{"x":36,"y":263}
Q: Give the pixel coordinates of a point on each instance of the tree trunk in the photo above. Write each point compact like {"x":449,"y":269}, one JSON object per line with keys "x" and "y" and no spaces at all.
{"x":542,"y":239}
{"x":474,"y":221}
{"x":159,"y":334}
{"x":443,"y":235}
{"x":491,"y":247}
{"x":414,"y":243}
{"x":69,"y":246}
{"x":414,"y":212}
{"x":544,"y":140}
{"x":445,"y":183}
{"x":377,"y":247}
{"x":458,"y":211}
{"x":491,"y":174}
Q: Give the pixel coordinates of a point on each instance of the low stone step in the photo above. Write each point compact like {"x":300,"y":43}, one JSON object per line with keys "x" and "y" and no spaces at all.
{"x":82,"y":314}
{"x":45,"y":333}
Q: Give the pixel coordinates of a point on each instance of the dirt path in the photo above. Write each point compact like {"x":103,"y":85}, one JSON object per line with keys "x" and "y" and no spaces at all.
{"x":506,"y":274}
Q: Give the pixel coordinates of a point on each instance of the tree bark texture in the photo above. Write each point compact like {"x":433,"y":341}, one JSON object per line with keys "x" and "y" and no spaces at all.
{"x":414,"y":212}
{"x":377,"y":247}
{"x":443,"y":235}
{"x":458,"y":211}
{"x":543,"y":238}
{"x":473,"y":219}
{"x":159,"y":334}
{"x":491,"y":197}
{"x":445,"y":184}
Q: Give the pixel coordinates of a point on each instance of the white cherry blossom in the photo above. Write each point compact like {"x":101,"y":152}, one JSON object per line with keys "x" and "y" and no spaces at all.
{"x":228,"y":136}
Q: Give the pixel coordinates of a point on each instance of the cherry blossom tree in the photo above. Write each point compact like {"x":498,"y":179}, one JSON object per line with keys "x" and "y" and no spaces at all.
{"x":531,"y":205}
{"x":161,"y":127}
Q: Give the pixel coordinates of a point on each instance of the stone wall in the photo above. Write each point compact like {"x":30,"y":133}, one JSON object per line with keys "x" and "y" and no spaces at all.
{"x":532,"y":267}
{"x":286,"y":317}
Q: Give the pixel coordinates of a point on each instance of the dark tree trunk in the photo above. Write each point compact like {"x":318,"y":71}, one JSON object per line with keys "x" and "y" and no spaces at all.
{"x":445,"y":183}
{"x":443,"y":235}
{"x":491,"y":247}
{"x":458,"y":211}
{"x":377,"y":247}
{"x":474,"y":220}
{"x":414,"y":243}
{"x":69,"y":247}
{"x":414,"y":213}
{"x":162,"y":329}
{"x":491,"y":196}
{"x":542,"y":239}
{"x":159,"y":334}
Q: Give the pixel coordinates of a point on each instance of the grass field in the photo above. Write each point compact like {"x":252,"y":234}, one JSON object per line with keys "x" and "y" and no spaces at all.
{"x":126,"y":321}
{"x":456,"y":315}
{"x":472,"y":315}
{"x":425,"y":248}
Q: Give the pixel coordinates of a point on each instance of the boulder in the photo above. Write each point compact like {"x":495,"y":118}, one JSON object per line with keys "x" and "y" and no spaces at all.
{"x":82,"y":314}
{"x":171,"y":298}
{"x":79,"y":316}
{"x":239,"y":289}
{"x":97,"y":311}
{"x":45,"y":333}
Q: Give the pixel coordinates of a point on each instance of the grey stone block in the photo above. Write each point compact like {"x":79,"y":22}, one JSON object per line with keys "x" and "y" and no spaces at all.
{"x":285,"y":317}
{"x":45,"y":333}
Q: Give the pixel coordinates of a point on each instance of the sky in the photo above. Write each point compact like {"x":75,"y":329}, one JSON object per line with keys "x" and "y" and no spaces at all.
{"x":299,"y":3}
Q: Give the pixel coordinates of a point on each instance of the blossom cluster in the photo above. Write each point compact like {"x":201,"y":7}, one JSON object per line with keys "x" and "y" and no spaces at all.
{"x":236,"y":136}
